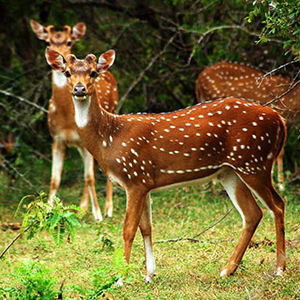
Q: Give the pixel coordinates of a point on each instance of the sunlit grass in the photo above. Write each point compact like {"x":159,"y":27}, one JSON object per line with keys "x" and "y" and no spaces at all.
{"x":185,"y":270}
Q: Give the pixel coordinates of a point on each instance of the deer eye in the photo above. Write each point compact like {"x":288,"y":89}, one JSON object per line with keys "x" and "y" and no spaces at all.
{"x":67,"y":74}
{"x":69,"y":43}
{"x":93,"y":74}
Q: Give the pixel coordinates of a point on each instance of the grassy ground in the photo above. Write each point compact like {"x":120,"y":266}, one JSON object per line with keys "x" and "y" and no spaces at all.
{"x":185,"y":270}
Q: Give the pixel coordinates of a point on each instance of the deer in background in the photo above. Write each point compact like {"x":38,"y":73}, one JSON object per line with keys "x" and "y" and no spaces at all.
{"x":7,"y":145}
{"x":227,"y":79}
{"x":235,"y":140}
{"x":61,"y":116}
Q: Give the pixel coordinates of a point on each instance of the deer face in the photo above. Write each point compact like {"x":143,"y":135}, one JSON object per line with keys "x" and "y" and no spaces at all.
{"x":60,"y":41}
{"x":81,"y":74}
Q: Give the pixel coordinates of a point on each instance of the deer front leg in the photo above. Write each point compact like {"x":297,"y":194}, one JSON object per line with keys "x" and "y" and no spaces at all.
{"x":89,"y":184}
{"x":134,"y":210}
{"x":146,"y":230}
{"x":58,"y":156}
{"x":109,"y":201}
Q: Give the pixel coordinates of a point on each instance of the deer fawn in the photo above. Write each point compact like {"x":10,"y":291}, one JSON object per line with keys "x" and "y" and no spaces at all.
{"x":226,"y":79}
{"x":234,"y":140}
{"x":61,"y":116}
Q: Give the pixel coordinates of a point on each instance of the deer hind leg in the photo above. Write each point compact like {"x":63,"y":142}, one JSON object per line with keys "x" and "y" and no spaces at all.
{"x":134,"y":211}
{"x":264,"y":190}
{"x":250,"y":212}
{"x":146,"y":231}
{"x":58,"y":156}
{"x":109,"y":200}
{"x":89,"y":185}
{"x":280,"y":175}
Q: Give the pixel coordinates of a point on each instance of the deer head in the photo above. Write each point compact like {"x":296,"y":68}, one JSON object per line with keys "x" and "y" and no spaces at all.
{"x":81,"y":74}
{"x":60,"y":41}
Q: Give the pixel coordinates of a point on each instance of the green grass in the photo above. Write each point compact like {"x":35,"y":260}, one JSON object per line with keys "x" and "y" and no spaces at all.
{"x":185,"y":270}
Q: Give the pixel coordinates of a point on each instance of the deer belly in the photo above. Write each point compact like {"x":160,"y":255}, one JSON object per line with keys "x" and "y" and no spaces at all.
{"x":188,"y":183}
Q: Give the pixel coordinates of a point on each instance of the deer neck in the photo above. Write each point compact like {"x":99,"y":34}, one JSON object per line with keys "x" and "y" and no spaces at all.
{"x":96,"y":127}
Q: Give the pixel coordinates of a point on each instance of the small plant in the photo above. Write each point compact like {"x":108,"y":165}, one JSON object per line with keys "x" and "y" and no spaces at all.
{"x":105,"y":232}
{"x":60,"y":221}
{"x":30,"y":281}
{"x":106,"y":277}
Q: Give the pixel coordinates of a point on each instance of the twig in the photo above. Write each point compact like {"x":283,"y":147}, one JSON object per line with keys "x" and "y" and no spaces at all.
{"x":60,"y":295}
{"x":282,"y":95}
{"x":193,"y":239}
{"x":12,"y":242}
{"x":121,"y":102}
{"x":23,"y":100}
{"x":203,"y":35}
{"x":16,"y":171}
{"x":275,"y":70}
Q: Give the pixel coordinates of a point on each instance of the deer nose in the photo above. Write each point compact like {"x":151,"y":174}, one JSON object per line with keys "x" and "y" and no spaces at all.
{"x":79,"y":90}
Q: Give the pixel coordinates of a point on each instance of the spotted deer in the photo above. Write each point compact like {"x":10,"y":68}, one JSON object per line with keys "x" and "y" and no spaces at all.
{"x":234,"y":140}
{"x":226,"y":79}
{"x":61,"y":116}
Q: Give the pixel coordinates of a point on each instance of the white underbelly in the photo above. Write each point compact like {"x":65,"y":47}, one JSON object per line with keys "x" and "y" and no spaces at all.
{"x":188,"y":183}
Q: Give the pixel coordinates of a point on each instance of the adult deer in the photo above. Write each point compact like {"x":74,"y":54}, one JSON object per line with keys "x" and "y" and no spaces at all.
{"x":234,"y":140}
{"x":61,"y":116}
{"x":226,"y":79}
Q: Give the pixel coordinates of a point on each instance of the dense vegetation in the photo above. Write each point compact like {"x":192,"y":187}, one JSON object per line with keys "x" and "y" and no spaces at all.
{"x":161,"y":48}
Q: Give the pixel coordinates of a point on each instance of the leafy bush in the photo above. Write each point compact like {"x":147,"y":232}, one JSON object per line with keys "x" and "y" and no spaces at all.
{"x":57,"y":219}
{"x":30,"y":281}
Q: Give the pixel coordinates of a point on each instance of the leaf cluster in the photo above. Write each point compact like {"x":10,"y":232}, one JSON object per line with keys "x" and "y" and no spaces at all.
{"x":58,"y":220}
{"x":280,"y":18}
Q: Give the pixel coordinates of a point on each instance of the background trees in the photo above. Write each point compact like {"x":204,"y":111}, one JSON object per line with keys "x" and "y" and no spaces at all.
{"x":161,"y":48}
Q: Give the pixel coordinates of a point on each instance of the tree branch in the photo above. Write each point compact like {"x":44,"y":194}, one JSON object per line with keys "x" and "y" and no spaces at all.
{"x":193,"y":239}
{"x":24,"y":100}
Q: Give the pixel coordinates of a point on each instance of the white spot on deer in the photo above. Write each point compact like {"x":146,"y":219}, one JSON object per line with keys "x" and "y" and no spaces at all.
{"x":104,"y":144}
{"x":270,"y":155}
{"x":245,"y":129}
{"x":134,"y":152}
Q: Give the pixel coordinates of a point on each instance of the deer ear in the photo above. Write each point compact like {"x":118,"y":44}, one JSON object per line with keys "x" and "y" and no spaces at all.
{"x":55,"y":60}
{"x":78,"y":31}
{"x":105,"y":61}
{"x":40,"y":31}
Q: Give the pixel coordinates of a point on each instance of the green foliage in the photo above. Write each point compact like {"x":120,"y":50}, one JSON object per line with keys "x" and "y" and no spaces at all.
{"x":58,"y":220}
{"x":30,"y":281}
{"x":107,"y":277}
{"x":280,"y":19}
{"x":105,"y":232}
